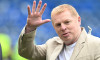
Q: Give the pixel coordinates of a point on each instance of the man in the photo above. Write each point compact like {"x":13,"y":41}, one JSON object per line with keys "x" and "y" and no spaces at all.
{"x":73,"y":42}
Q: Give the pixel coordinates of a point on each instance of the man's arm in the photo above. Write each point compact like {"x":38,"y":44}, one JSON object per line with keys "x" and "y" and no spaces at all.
{"x":34,"y":19}
{"x":26,"y":47}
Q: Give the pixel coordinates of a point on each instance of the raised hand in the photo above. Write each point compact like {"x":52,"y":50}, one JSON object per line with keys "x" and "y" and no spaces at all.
{"x":35,"y":18}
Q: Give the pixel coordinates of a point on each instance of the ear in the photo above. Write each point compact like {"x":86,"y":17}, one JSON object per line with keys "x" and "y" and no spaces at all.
{"x":79,"y":20}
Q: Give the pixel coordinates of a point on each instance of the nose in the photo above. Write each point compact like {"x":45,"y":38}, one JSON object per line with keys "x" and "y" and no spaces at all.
{"x":63,"y":27}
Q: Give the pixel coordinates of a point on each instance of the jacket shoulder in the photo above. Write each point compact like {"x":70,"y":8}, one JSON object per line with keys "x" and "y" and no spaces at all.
{"x":93,"y":43}
{"x":54,"y":40}
{"x":93,"y":38}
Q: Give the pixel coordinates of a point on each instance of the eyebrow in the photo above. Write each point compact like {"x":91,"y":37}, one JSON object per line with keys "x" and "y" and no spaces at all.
{"x":56,"y":23}
{"x":63,"y":20}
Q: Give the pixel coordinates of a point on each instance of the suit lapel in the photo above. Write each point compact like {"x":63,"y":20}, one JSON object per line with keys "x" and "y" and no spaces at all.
{"x":57,"y":50}
{"x":79,"y":45}
{"x":76,"y":51}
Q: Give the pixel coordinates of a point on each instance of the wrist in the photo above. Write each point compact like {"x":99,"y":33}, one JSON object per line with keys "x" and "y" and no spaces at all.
{"x":29,"y":29}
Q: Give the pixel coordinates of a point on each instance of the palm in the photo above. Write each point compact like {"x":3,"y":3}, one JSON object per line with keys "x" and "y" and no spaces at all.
{"x":34,"y":19}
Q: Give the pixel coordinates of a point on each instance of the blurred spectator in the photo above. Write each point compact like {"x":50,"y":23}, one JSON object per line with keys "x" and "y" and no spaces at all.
{"x":15,"y":55}
{"x":6,"y":46}
{"x":0,"y":53}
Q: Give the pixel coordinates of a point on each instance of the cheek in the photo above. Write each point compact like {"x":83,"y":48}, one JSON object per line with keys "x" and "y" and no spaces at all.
{"x":57,"y":30}
{"x":74,"y":25}
{"x":73,"y":29}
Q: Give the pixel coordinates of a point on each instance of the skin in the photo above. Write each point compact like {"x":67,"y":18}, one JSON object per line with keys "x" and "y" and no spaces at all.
{"x":35,"y":17}
{"x":67,"y":26}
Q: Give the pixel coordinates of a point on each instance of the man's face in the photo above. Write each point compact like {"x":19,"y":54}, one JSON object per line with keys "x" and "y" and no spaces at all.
{"x":67,"y":26}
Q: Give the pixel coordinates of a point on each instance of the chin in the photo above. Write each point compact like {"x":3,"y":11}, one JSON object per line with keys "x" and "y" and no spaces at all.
{"x":66,"y":39}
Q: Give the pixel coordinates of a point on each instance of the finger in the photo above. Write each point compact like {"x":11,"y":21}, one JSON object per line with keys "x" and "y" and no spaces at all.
{"x":34,"y":6}
{"x":43,"y":9}
{"x":39,"y":6}
{"x":29,"y":11}
{"x":45,"y":21}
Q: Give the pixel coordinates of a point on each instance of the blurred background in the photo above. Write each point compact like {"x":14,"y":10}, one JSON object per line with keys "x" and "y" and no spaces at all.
{"x":13,"y":17}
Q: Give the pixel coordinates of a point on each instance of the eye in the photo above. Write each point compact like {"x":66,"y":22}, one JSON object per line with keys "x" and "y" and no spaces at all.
{"x":67,"y":22}
{"x":58,"y":24}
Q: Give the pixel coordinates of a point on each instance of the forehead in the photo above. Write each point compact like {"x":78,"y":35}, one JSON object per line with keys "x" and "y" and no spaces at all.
{"x":66,"y":15}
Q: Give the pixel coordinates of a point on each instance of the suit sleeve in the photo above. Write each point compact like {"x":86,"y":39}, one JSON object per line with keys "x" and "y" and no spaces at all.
{"x":28,"y":49}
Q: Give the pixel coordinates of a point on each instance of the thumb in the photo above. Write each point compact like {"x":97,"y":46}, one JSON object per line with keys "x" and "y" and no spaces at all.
{"x":45,"y":21}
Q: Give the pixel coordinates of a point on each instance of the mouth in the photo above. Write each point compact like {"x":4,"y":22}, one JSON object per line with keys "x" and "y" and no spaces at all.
{"x":65,"y":34}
